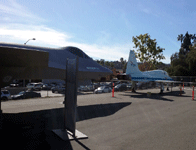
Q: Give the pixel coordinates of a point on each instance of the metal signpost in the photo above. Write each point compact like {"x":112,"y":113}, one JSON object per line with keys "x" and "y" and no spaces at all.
{"x":71,"y":95}
{"x":69,"y":131}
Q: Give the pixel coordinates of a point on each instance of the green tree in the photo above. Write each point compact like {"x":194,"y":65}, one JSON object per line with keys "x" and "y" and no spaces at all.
{"x":98,"y":61}
{"x":147,"y":49}
{"x":183,"y":63}
{"x":179,"y":67}
{"x":112,"y":65}
{"x":107,"y":63}
{"x":186,"y":42}
{"x":191,"y":61}
{"x":180,"y":71}
{"x":146,"y":66}
{"x":102,"y":62}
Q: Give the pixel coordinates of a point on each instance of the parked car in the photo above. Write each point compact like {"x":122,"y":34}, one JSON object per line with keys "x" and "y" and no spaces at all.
{"x":14,"y":85}
{"x":35,"y":86}
{"x":26,"y":94}
{"x":5,"y":95}
{"x":46,"y":87}
{"x":117,"y":82}
{"x":58,"y":89}
{"x":82,"y":88}
{"x":90,"y":87}
{"x":103,"y":89}
{"x":120,"y":87}
{"x":129,"y":86}
{"x":96,"y":85}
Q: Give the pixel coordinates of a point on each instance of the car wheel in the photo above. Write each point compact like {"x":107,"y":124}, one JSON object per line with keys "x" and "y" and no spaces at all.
{"x":4,"y":98}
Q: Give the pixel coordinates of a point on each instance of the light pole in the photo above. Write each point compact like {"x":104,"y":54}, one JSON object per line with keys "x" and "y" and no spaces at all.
{"x":29,"y":40}
{"x":25,"y":44}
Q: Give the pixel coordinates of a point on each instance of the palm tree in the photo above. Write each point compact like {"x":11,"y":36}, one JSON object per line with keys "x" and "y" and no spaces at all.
{"x":193,"y":37}
{"x":180,"y":38}
{"x":121,"y":59}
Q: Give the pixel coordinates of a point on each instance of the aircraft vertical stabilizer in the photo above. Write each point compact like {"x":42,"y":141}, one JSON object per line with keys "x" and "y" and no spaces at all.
{"x":132,"y":68}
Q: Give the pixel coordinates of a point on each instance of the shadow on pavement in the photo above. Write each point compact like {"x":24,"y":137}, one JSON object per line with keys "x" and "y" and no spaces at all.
{"x":100,"y":110}
{"x":32,"y":130}
{"x":156,"y":96}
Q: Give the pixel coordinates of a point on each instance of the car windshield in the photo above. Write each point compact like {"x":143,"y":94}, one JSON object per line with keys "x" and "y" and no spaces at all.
{"x":101,"y":88}
{"x":21,"y":93}
{"x":5,"y":92}
{"x":118,"y":85}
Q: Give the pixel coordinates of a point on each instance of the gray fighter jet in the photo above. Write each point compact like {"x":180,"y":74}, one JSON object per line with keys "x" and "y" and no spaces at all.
{"x":32,"y":62}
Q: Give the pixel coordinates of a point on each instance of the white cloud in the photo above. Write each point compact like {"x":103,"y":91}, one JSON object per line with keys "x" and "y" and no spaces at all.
{"x":41,"y":33}
{"x":48,"y":37}
{"x":12,"y":10}
{"x":15,"y":30}
{"x":149,"y":8}
{"x":52,"y":38}
{"x":166,"y":60}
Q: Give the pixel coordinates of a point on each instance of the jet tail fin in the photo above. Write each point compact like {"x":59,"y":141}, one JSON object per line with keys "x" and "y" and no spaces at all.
{"x":132,"y":68}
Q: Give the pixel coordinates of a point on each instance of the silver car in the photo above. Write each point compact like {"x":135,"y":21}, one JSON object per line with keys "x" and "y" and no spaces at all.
{"x":103,"y":89}
{"x":58,"y":89}
{"x":82,"y":88}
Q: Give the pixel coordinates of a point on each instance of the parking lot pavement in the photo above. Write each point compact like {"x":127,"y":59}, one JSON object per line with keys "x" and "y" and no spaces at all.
{"x":126,"y":121}
{"x":50,"y":94}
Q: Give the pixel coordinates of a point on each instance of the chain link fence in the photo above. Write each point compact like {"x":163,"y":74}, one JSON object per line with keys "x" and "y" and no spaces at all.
{"x":188,"y":80}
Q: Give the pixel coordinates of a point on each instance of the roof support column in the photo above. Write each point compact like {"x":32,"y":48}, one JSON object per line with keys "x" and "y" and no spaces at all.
{"x":1,"y":116}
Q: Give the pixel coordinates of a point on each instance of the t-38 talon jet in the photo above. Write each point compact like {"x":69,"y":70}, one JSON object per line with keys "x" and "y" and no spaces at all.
{"x":136,"y":75}
{"x":32,"y":62}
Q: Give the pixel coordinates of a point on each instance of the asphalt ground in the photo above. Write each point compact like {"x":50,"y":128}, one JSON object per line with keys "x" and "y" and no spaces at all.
{"x":127,"y":121}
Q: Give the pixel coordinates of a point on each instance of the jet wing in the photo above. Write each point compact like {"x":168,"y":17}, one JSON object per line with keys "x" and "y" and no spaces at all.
{"x":167,"y":81}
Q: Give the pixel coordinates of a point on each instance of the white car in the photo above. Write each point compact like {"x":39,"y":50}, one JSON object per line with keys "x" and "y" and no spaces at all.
{"x":103,"y":89}
{"x":5,"y":95}
{"x":35,"y":86}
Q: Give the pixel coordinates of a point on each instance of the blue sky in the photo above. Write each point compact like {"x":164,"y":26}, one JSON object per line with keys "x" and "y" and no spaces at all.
{"x":101,"y":28}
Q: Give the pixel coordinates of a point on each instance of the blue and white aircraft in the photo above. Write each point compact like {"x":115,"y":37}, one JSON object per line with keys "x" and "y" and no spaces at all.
{"x":136,"y":75}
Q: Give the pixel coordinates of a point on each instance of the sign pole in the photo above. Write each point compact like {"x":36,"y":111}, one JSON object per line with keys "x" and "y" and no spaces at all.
{"x":193,"y":93}
{"x":69,"y":131}
{"x":1,"y":120}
